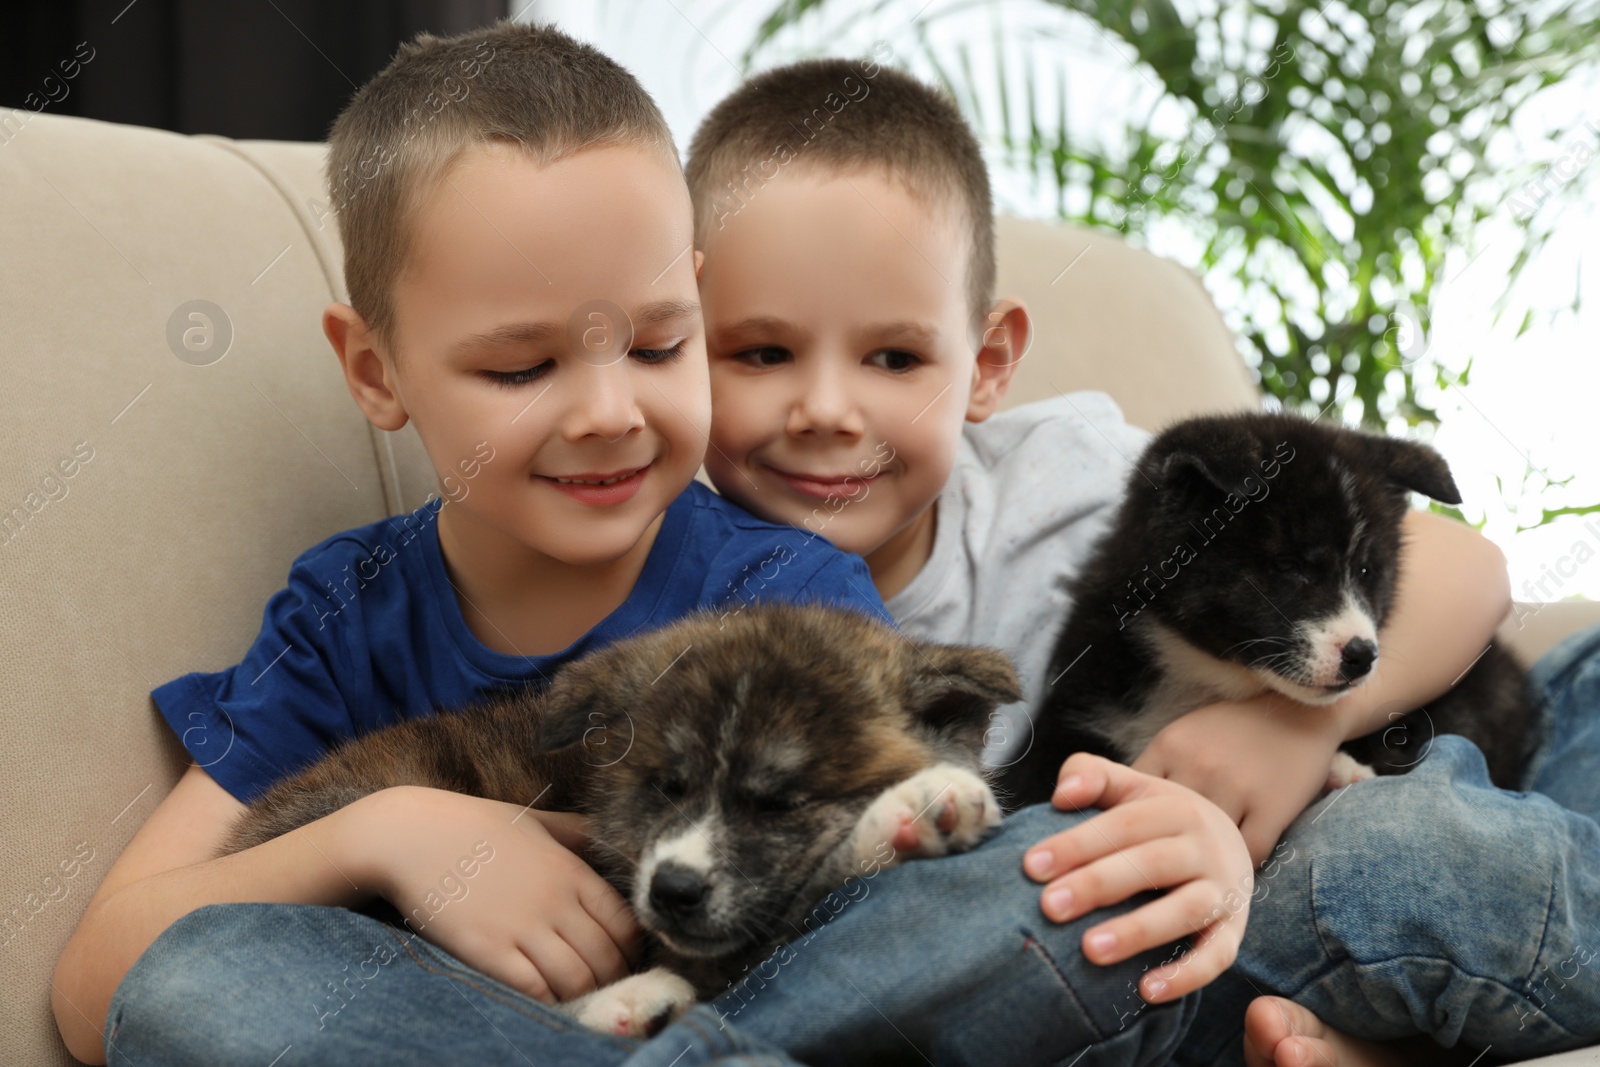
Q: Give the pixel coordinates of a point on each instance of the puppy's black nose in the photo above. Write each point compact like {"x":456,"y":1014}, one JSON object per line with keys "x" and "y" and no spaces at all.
{"x":676,"y":890}
{"x":1356,"y":658}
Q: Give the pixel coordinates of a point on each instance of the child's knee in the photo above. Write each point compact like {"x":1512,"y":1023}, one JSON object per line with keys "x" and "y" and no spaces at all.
{"x":1432,"y":864}
{"x":1026,"y":827}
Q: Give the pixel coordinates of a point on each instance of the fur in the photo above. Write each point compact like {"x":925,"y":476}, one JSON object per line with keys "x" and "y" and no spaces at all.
{"x":1251,"y":552}
{"x":759,"y":760}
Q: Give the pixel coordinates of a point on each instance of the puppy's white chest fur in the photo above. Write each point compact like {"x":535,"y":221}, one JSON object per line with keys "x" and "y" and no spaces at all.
{"x":1189,"y":678}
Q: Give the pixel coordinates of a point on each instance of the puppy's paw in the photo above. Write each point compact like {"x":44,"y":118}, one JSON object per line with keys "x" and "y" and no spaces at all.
{"x":1346,"y":770}
{"x":641,"y":1005}
{"x":940,"y":810}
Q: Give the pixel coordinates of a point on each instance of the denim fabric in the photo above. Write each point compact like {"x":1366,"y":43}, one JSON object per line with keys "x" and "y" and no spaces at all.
{"x":949,"y":961}
{"x":1435,"y":903}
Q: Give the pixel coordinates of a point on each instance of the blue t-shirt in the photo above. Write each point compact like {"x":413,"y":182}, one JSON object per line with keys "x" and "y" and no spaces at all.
{"x":368,"y":632}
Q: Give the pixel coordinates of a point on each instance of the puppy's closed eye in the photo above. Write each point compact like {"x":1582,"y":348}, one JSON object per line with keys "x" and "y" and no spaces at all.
{"x":775,"y":802}
{"x":672,"y":787}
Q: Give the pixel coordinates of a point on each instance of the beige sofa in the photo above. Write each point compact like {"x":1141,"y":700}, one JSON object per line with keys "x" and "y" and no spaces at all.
{"x":157,"y":485}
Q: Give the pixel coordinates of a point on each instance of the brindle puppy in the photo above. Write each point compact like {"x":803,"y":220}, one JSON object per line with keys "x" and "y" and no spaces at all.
{"x":734,"y":771}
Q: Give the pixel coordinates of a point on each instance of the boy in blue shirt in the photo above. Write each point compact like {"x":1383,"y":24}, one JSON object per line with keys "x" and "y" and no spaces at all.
{"x":522,"y":284}
{"x":377,"y":624}
{"x":858,"y":357}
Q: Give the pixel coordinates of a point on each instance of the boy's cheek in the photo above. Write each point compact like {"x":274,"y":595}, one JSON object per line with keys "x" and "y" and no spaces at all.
{"x":738,"y":422}
{"x":731,"y":483}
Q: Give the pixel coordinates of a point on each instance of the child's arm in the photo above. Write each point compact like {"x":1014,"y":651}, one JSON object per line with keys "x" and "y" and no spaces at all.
{"x":1262,"y":760}
{"x":1152,"y":834}
{"x":166,"y":871}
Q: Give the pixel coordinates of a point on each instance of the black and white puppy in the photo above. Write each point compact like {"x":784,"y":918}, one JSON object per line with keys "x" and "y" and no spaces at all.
{"x":734,"y":771}
{"x":1255,"y":551}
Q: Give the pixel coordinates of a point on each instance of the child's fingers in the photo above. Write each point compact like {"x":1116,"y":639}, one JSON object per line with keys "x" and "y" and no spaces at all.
{"x":1086,"y":781}
{"x":1104,"y":834}
{"x":1213,"y":951}
{"x":1111,"y":879}
{"x":606,"y":906}
{"x":519,"y":972}
{"x":594,"y":944}
{"x":560,"y":966}
{"x":1262,"y":829}
{"x":1260,"y":837}
{"x":1186,"y":910}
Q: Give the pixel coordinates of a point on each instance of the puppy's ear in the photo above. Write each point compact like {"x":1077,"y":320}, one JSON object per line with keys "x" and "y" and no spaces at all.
{"x":576,"y":710}
{"x":954,"y":688}
{"x":1210,"y":452}
{"x":1414,"y":466}
{"x":1183,"y":469}
{"x":567,"y":722}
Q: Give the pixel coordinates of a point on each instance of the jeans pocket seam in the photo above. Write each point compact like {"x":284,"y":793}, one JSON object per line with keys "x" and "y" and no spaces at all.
{"x":1544,"y":930}
{"x":1526,"y":984}
{"x":1316,"y":922}
{"x":1033,"y":944}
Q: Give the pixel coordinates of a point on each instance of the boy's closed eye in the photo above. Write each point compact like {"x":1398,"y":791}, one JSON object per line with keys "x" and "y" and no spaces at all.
{"x":647,"y":356}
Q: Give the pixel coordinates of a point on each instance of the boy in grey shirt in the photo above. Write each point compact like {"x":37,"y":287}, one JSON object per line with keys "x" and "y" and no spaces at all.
{"x":1030,"y":492}
{"x":857,"y":362}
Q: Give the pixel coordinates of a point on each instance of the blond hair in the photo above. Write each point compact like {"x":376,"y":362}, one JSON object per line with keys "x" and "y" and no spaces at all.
{"x":844,"y":115}
{"x":510,"y":82}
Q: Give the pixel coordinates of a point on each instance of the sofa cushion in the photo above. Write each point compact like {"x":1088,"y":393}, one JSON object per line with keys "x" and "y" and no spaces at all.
{"x":194,"y":480}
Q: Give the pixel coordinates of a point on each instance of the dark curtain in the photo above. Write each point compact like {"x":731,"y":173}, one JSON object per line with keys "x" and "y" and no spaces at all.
{"x":278,"y":69}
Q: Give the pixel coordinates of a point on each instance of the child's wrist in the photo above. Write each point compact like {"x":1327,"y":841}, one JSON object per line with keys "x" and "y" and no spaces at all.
{"x":1327,"y":723}
{"x":363,"y":839}
{"x":1355,"y":713}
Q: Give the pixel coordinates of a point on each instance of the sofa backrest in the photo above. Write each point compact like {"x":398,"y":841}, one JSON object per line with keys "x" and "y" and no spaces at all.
{"x":166,"y":460}
{"x":152,"y":494}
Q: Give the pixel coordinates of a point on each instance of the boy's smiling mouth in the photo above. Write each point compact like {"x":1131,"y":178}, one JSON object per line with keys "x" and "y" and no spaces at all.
{"x":825,"y":486}
{"x":595,"y":479}
{"x":602,"y":489}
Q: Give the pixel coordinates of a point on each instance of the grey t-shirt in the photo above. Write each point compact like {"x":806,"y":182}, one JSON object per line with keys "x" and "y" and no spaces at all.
{"x":1032,"y":489}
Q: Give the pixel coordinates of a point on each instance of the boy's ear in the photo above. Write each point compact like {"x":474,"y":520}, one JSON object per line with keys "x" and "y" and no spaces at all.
{"x":699,"y":261}
{"x":369,"y":376}
{"x":1003,"y":336}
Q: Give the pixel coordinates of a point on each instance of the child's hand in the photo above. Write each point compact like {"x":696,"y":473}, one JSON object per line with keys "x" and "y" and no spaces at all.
{"x":1154,"y":834}
{"x":1261,"y":760}
{"x":499,"y":887}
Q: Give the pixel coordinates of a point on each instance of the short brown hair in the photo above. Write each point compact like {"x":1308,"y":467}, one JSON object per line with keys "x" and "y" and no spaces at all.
{"x":817,"y":112}
{"x":399,"y":135}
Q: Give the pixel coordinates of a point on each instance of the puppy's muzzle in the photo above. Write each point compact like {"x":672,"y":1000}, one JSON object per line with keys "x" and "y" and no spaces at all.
{"x":678,"y":892}
{"x":1355,"y":659}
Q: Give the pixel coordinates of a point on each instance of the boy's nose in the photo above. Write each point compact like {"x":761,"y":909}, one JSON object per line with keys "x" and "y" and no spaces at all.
{"x":607,"y":404}
{"x":825,"y":406}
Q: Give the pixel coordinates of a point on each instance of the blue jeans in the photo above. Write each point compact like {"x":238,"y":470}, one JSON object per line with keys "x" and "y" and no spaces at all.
{"x":949,"y":961}
{"x":1434,"y":903}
